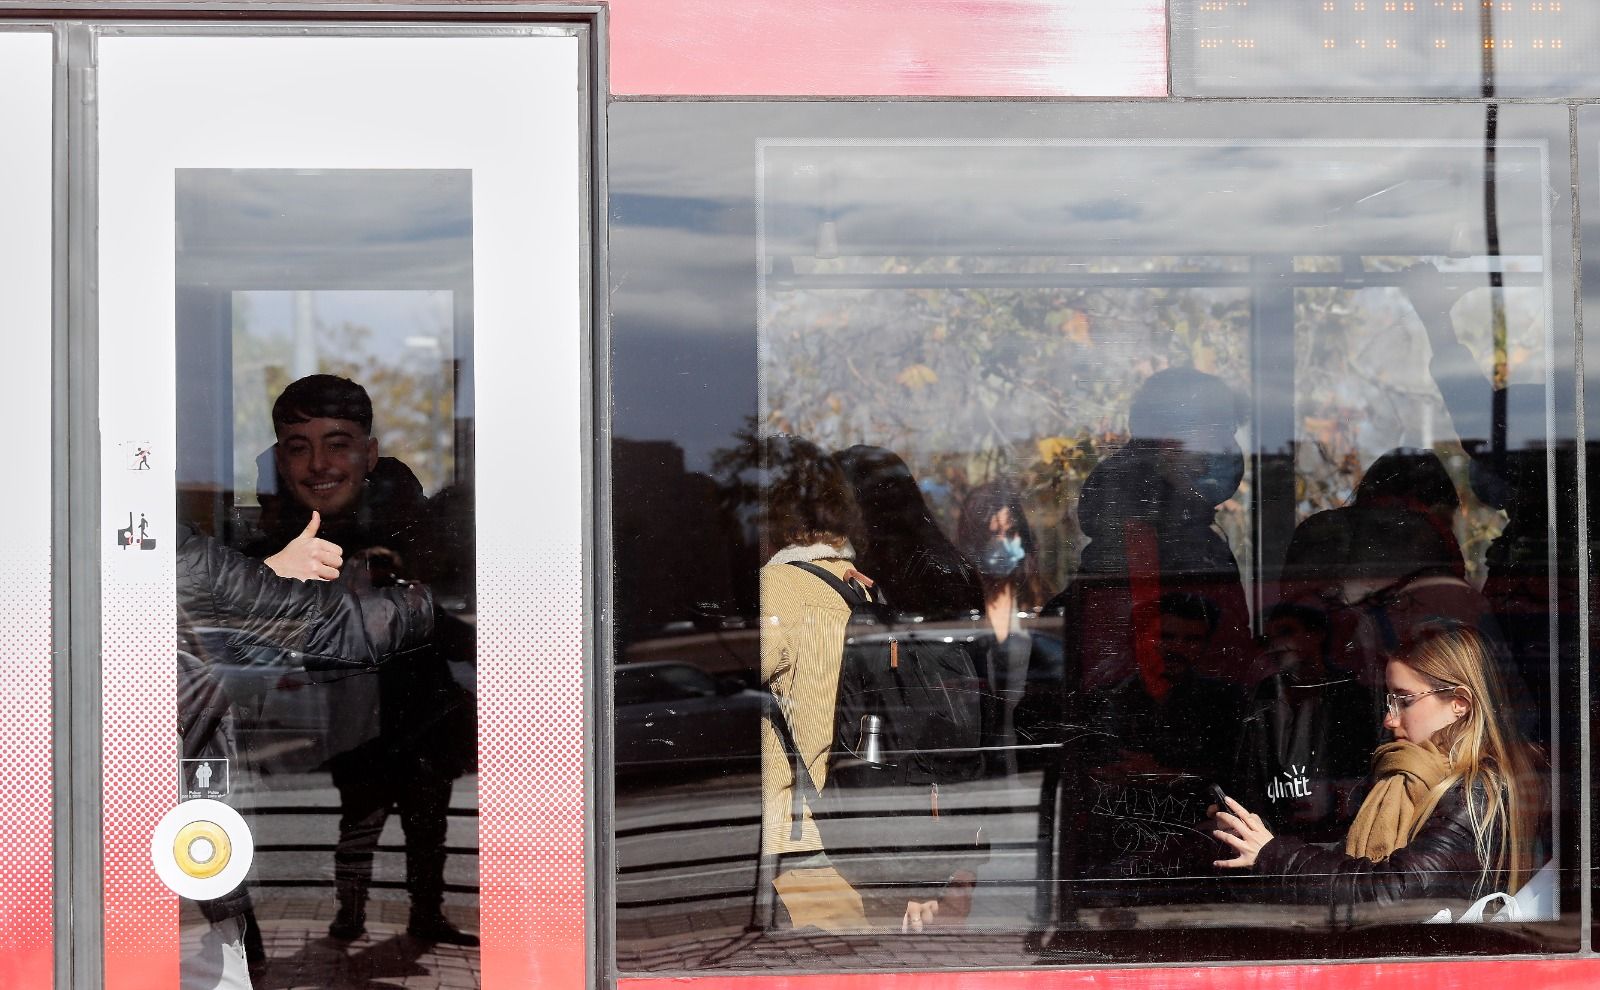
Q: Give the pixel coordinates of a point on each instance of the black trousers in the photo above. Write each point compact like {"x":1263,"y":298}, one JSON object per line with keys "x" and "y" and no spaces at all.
{"x":371,"y":787}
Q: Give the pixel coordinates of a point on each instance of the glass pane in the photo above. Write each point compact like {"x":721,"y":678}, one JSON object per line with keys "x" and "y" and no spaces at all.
{"x":342,"y":388}
{"x":1132,"y":448}
{"x":26,"y":295}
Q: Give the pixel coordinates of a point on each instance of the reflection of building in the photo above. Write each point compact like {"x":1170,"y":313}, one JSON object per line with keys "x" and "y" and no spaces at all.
{"x":675,"y":549}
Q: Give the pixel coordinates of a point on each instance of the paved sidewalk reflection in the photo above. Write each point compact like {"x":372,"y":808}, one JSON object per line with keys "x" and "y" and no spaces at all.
{"x":301,"y":956}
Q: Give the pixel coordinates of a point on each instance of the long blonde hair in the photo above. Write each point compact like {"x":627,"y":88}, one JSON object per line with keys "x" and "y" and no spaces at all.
{"x":1486,"y":752}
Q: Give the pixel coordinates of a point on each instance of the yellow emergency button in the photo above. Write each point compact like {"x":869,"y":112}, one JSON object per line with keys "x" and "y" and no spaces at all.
{"x":202,"y":849}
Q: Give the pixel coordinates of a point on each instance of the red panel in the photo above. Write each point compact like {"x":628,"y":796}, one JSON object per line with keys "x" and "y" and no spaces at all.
{"x":530,"y":787}
{"x":889,"y":47}
{"x":1572,"y":974}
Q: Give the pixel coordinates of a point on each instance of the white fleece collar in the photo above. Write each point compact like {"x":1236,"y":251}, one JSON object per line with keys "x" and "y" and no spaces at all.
{"x":815,"y":551}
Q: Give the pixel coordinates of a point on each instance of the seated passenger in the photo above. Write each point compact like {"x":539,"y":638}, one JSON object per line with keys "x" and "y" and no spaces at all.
{"x":1311,"y":724}
{"x":1175,"y":718}
{"x":1454,"y":806}
{"x":1308,"y":732}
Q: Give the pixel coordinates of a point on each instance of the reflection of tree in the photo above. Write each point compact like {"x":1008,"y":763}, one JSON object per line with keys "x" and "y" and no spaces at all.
{"x":1363,"y":387}
{"x":413,"y":414}
{"x":966,"y":384}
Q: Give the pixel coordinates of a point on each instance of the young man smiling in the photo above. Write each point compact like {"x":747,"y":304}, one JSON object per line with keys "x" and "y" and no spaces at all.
{"x":386,"y":736}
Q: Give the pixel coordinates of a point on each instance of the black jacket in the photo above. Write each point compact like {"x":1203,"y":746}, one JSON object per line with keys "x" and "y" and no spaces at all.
{"x":413,"y":711}
{"x":1440,"y":864}
{"x":1145,"y":537}
{"x":234,"y":611}
{"x":280,"y":622}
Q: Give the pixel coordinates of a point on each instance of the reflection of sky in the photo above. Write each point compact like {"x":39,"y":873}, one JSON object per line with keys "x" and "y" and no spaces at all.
{"x":1143,"y":198}
{"x":325,"y":228}
{"x":683,"y":183}
{"x":400,"y":320}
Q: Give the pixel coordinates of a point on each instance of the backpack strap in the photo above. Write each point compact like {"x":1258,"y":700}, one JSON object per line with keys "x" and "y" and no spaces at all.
{"x":851,"y":592}
{"x":803,"y":787}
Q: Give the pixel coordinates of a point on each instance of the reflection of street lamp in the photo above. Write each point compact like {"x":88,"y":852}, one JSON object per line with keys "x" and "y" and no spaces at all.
{"x":304,"y":326}
{"x":827,"y":240}
{"x":828,"y":229}
{"x":1491,"y":231}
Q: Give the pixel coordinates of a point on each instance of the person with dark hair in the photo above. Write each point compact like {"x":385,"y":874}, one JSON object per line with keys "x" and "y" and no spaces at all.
{"x":1310,"y":727}
{"x":1149,"y":511}
{"x":1153,"y":743}
{"x":1156,"y":614}
{"x":904,"y":547}
{"x":1021,"y":685}
{"x":1414,"y":480}
{"x":390,"y":736}
{"x":1182,"y":719}
{"x":1395,"y":571}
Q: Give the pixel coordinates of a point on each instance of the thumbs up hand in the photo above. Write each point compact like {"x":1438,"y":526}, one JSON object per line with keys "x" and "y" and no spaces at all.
{"x":307,"y":558}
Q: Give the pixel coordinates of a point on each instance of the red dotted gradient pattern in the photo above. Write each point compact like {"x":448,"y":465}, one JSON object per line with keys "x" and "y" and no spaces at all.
{"x":139,"y":722}
{"x":26,"y":926}
{"x":531,"y":783}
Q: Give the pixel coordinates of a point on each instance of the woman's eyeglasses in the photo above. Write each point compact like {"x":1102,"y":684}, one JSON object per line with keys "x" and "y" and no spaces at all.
{"x":1397,"y":702}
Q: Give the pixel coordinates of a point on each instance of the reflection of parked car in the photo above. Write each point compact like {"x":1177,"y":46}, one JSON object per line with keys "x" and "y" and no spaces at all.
{"x":281,"y":709}
{"x":673,"y":715}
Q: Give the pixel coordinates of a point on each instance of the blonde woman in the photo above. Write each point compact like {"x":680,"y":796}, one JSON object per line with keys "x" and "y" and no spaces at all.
{"x":1454,"y":805}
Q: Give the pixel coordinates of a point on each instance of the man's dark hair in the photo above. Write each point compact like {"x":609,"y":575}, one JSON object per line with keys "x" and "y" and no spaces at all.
{"x":322,"y":397}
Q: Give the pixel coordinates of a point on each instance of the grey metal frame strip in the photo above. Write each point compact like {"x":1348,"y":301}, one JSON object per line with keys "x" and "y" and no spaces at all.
{"x":61,"y":474}
{"x":597,"y":591}
{"x":82,"y":922}
{"x":1581,"y":441}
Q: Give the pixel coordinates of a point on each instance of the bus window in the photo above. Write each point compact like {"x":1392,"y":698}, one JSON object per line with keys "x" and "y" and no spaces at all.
{"x":1060,"y":481}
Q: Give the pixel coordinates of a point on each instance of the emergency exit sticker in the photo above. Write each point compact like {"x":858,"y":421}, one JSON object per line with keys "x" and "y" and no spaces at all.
{"x":202,"y":779}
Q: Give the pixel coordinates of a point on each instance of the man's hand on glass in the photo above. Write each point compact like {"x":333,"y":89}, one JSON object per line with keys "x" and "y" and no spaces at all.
{"x":307,"y":558}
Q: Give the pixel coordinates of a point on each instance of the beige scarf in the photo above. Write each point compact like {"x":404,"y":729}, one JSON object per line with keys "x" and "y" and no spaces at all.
{"x":1407,"y":789}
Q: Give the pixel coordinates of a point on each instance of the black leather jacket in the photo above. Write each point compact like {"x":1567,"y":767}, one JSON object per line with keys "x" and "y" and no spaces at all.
{"x":276,"y":621}
{"x":1440,"y":864}
{"x":235,"y":611}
